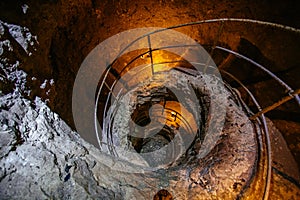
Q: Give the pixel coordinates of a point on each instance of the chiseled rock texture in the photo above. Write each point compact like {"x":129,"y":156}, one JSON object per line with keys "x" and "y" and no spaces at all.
{"x":41,"y":157}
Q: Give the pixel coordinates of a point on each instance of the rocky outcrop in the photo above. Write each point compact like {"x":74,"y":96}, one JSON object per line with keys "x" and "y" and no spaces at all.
{"x":41,"y":157}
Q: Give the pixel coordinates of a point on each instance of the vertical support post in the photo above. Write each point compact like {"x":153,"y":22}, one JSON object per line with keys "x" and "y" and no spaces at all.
{"x":150,"y":52}
{"x":220,"y":29}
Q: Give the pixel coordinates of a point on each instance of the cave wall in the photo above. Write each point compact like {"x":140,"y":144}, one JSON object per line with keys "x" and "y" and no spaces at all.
{"x":68,"y":30}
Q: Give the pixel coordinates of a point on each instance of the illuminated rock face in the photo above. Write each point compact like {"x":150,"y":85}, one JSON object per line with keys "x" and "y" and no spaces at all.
{"x":42,"y":157}
{"x":67,"y":32}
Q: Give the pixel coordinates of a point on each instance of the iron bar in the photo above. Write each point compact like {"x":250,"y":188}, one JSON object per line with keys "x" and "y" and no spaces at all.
{"x":267,"y":136}
{"x":276,"y":104}
{"x":281,"y":82}
{"x":150,"y":52}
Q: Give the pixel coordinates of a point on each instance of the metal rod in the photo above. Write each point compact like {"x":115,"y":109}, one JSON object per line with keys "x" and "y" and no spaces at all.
{"x":203,"y":22}
{"x":238,"y":20}
{"x":275,"y":105}
{"x":150,"y":52}
{"x":267,"y":137}
{"x":281,"y":82}
{"x":214,"y":46}
{"x":217,"y":37}
{"x":211,"y":21}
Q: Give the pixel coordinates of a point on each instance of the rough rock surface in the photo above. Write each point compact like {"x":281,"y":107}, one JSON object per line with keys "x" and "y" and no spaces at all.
{"x":42,"y":158}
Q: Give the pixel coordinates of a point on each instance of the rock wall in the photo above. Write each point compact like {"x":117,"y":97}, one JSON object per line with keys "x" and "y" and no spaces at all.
{"x":42,"y":46}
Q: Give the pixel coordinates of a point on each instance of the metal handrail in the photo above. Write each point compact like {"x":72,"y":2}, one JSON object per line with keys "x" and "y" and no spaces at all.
{"x":291,"y":93}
